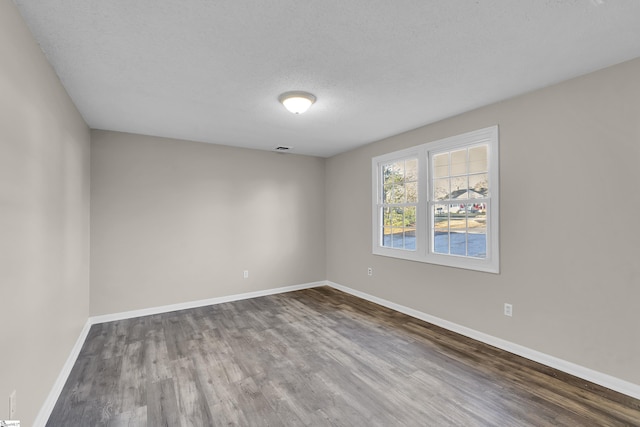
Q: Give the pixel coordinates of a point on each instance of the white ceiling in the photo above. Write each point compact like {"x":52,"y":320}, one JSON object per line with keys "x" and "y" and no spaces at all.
{"x":212,"y":70}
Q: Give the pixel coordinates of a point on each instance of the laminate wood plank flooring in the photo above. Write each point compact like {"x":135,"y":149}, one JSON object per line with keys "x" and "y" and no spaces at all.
{"x":316,"y":357}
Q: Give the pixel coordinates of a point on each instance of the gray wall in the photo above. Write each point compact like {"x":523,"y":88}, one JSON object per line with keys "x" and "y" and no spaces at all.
{"x":176,"y":221}
{"x":569,"y":162}
{"x":44,"y":220}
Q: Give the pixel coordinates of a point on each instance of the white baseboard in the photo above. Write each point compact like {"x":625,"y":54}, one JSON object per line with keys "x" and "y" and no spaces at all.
{"x":54,"y":394}
{"x":199,"y":303}
{"x":608,"y":381}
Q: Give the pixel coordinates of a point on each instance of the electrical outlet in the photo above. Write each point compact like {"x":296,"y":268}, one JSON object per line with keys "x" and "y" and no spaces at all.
{"x":508,"y":309}
{"x":370,"y":271}
{"x":245,"y":274}
{"x":12,"y":404}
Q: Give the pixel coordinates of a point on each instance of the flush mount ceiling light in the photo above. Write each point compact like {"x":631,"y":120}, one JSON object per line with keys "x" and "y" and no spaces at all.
{"x":296,"y":101}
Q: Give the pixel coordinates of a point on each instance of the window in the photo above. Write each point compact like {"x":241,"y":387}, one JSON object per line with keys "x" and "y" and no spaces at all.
{"x":399,"y":203}
{"x":438,"y":202}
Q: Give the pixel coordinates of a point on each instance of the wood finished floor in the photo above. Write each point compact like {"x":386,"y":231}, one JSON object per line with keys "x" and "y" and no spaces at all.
{"x":316,"y":357}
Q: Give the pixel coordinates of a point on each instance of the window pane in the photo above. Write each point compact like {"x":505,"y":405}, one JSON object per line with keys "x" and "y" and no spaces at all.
{"x":459,"y":228}
{"x":439,"y":212}
{"x":468,"y":231}
{"x":477,"y":226}
{"x":410,"y":239}
{"x":411,"y":170}
{"x":459,"y":162}
{"x":398,"y":223}
{"x":393,"y":173}
{"x":478,"y":185}
{"x":459,"y":186}
{"x":397,"y":238}
{"x":396,"y":217}
{"x":458,"y":231}
{"x":390,"y":177}
{"x":410,"y":217}
{"x":477,"y":245}
{"x":473,"y":210}
{"x":399,"y":229}
{"x":478,"y":159}
{"x":411,"y":190}
{"x":387,"y":174}
{"x":386,"y":237}
{"x":398,"y":194}
{"x":458,"y":243}
{"x":410,"y":228}
{"x":441,"y":189}
{"x":441,"y":243}
{"x":386,"y":216}
{"x":387,"y":189}
{"x":441,"y":229}
{"x":455,"y":209}
{"x":441,"y":165}
{"x":459,"y":218}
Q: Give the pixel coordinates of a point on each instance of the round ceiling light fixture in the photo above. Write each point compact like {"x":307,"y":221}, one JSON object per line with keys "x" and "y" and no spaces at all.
{"x":297,"y":101}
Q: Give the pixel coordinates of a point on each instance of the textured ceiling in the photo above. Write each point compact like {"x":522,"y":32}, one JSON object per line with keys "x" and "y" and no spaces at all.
{"x":212,"y":70}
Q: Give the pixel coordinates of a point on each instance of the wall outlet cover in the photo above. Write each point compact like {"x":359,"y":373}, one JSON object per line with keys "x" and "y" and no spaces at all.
{"x":508,"y":309}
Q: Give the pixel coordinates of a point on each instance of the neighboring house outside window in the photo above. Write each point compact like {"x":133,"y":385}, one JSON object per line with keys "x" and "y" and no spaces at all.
{"x":438,"y":202}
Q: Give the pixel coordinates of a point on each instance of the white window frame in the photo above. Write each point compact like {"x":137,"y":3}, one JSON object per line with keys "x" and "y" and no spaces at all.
{"x":424,"y":251}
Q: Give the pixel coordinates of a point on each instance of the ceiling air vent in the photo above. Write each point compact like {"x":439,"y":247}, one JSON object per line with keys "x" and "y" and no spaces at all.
{"x":283,"y":148}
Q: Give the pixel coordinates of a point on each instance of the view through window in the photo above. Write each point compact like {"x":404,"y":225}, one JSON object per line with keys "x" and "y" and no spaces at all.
{"x":460,"y":183}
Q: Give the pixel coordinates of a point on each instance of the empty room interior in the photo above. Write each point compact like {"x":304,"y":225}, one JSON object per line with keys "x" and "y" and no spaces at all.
{"x":319,"y":213}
